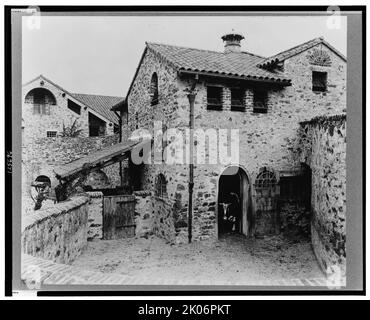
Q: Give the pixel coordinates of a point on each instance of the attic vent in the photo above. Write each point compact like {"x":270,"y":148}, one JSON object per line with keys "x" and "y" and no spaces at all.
{"x":319,"y":58}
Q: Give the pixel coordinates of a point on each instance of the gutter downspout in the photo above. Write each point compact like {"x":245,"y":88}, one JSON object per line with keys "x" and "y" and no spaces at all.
{"x":120,"y":140}
{"x":191,"y":96}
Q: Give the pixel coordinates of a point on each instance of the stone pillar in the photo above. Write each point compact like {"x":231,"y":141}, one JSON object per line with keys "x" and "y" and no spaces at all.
{"x":95,"y":216}
{"x":248,"y":100}
{"x":226,"y":99}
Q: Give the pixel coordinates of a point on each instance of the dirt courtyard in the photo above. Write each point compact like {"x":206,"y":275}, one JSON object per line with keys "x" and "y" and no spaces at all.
{"x":233,"y":258}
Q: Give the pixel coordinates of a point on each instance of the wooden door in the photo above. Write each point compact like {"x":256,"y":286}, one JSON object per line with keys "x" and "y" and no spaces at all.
{"x":118,"y":217}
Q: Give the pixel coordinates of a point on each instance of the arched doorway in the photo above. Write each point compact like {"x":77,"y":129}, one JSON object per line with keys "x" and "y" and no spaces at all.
{"x":234,"y":202}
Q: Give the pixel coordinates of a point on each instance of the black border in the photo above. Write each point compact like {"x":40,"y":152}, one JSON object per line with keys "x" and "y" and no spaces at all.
{"x":180,"y":9}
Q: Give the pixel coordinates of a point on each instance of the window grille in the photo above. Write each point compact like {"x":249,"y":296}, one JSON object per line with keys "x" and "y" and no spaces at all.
{"x":265,"y":179}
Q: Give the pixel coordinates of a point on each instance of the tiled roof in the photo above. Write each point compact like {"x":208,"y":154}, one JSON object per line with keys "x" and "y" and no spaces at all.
{"x":100,"y":104}
{"x":99,"y":158}
{"x":281,"y":56}
{"x":241,"y":64}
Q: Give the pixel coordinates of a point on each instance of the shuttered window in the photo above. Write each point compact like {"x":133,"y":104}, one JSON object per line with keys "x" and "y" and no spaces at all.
{"x":214,"y":98}
{"x":237,"y":100}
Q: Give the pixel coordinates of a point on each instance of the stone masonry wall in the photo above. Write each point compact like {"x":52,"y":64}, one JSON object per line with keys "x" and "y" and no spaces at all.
{"x":163,"y":220}
{"x":36,"y":125}
{"x":48,"y":153}
{"x":323,"y":148}
{"x":95,"y":216}
{"x":143,"y":214}
{"x":58,"y":233}
{"x":265,"y":140}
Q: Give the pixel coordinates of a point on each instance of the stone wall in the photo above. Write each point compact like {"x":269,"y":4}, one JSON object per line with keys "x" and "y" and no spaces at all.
{"x":323,"y":148}
{"x":163,"y":220}
{"x":58,"y":233}
{"x":143,"y":214}
{"x":48,"y":153}
{"x":95,"y":216}
{"x":265,"y":140}
{"x":36,"y":125}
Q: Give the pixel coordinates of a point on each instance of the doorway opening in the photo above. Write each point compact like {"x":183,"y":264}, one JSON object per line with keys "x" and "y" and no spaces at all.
{"x":234,"y":202}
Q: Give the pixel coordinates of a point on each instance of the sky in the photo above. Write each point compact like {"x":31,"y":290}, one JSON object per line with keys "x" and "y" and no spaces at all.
{"x":99,"y":54}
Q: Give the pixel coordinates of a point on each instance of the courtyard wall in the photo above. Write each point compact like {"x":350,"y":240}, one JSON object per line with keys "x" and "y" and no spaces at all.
{"x":323,"y":148}
{"x":58,"y":233}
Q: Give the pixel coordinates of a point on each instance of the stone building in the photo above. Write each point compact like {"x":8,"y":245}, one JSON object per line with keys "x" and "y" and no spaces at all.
{"x":47,"y":107}
{"x":266,"y":99}
{"x":59,"y":127}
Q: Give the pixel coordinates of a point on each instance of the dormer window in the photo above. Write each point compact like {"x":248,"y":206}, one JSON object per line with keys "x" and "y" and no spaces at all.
{"x":260,"y":101}
{"x":154,"y":90}
{"x":237,"y":99}
{"x":214,"y":98}
{"x":319,"y":81}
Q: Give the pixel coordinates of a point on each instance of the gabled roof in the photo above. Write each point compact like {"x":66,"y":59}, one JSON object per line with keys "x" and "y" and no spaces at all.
{"x":100,"y":104}
{"x":242,"y":64}
{"x":296,"y":50}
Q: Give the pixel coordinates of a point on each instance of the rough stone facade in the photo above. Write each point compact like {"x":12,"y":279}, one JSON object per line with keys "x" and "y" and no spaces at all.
{"x":266,"y":140}
{"x":95,"y":216}
{"x":58,"y":233}
{"x":143,"y":214}
{"x":48,"y":153}
{"x":323,"y":149}
{"x":35,"y":126}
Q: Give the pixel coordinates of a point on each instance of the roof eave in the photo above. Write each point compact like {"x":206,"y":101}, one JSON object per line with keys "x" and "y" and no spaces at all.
{"x":281,"y":82}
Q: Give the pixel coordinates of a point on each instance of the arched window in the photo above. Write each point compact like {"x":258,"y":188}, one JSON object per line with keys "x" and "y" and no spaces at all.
{"x":161,"y":186}
{"x":41,"y":99}
{"x":265,"y":179}
{"x":154,"y":90}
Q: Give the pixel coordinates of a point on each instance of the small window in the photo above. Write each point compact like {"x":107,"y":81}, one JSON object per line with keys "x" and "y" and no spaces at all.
{"x":161,"y":186}
{"x":260,"y":101}
{"x":214,"y":98}
{"x":237,"y":100}
{"x":266,"y":179}
{"x":74,"y":107}
{"x":154,"y":90}
{"x":51,"y":134}
{"x":319,"y":81}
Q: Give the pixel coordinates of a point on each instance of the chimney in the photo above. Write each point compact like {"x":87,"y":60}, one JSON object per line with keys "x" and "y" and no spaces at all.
{"x":232,"y":41}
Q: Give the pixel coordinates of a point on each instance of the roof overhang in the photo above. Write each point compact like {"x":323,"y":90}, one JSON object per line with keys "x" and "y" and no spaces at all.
{"x":280,"y":82}
{"x":96,"y":160}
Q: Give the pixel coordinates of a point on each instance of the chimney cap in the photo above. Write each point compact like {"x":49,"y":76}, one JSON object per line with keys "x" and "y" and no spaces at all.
{"x":233,"y":35}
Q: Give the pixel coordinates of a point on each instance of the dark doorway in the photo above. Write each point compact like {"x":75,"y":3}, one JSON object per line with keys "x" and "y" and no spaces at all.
{"x":96,"y":126}
{"x":234,"y":202}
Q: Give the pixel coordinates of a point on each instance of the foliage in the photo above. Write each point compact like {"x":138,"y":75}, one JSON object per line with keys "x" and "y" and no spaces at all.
{"x":71,"y":131}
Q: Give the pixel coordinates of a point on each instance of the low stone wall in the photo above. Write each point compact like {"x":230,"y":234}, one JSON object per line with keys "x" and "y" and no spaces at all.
{"x":95,"y":216}
{"x":58,"y":233}
{"x":323,"y":148}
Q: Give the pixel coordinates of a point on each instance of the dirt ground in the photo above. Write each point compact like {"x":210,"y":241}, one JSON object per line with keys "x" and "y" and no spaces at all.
{"x":232,"y":258}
